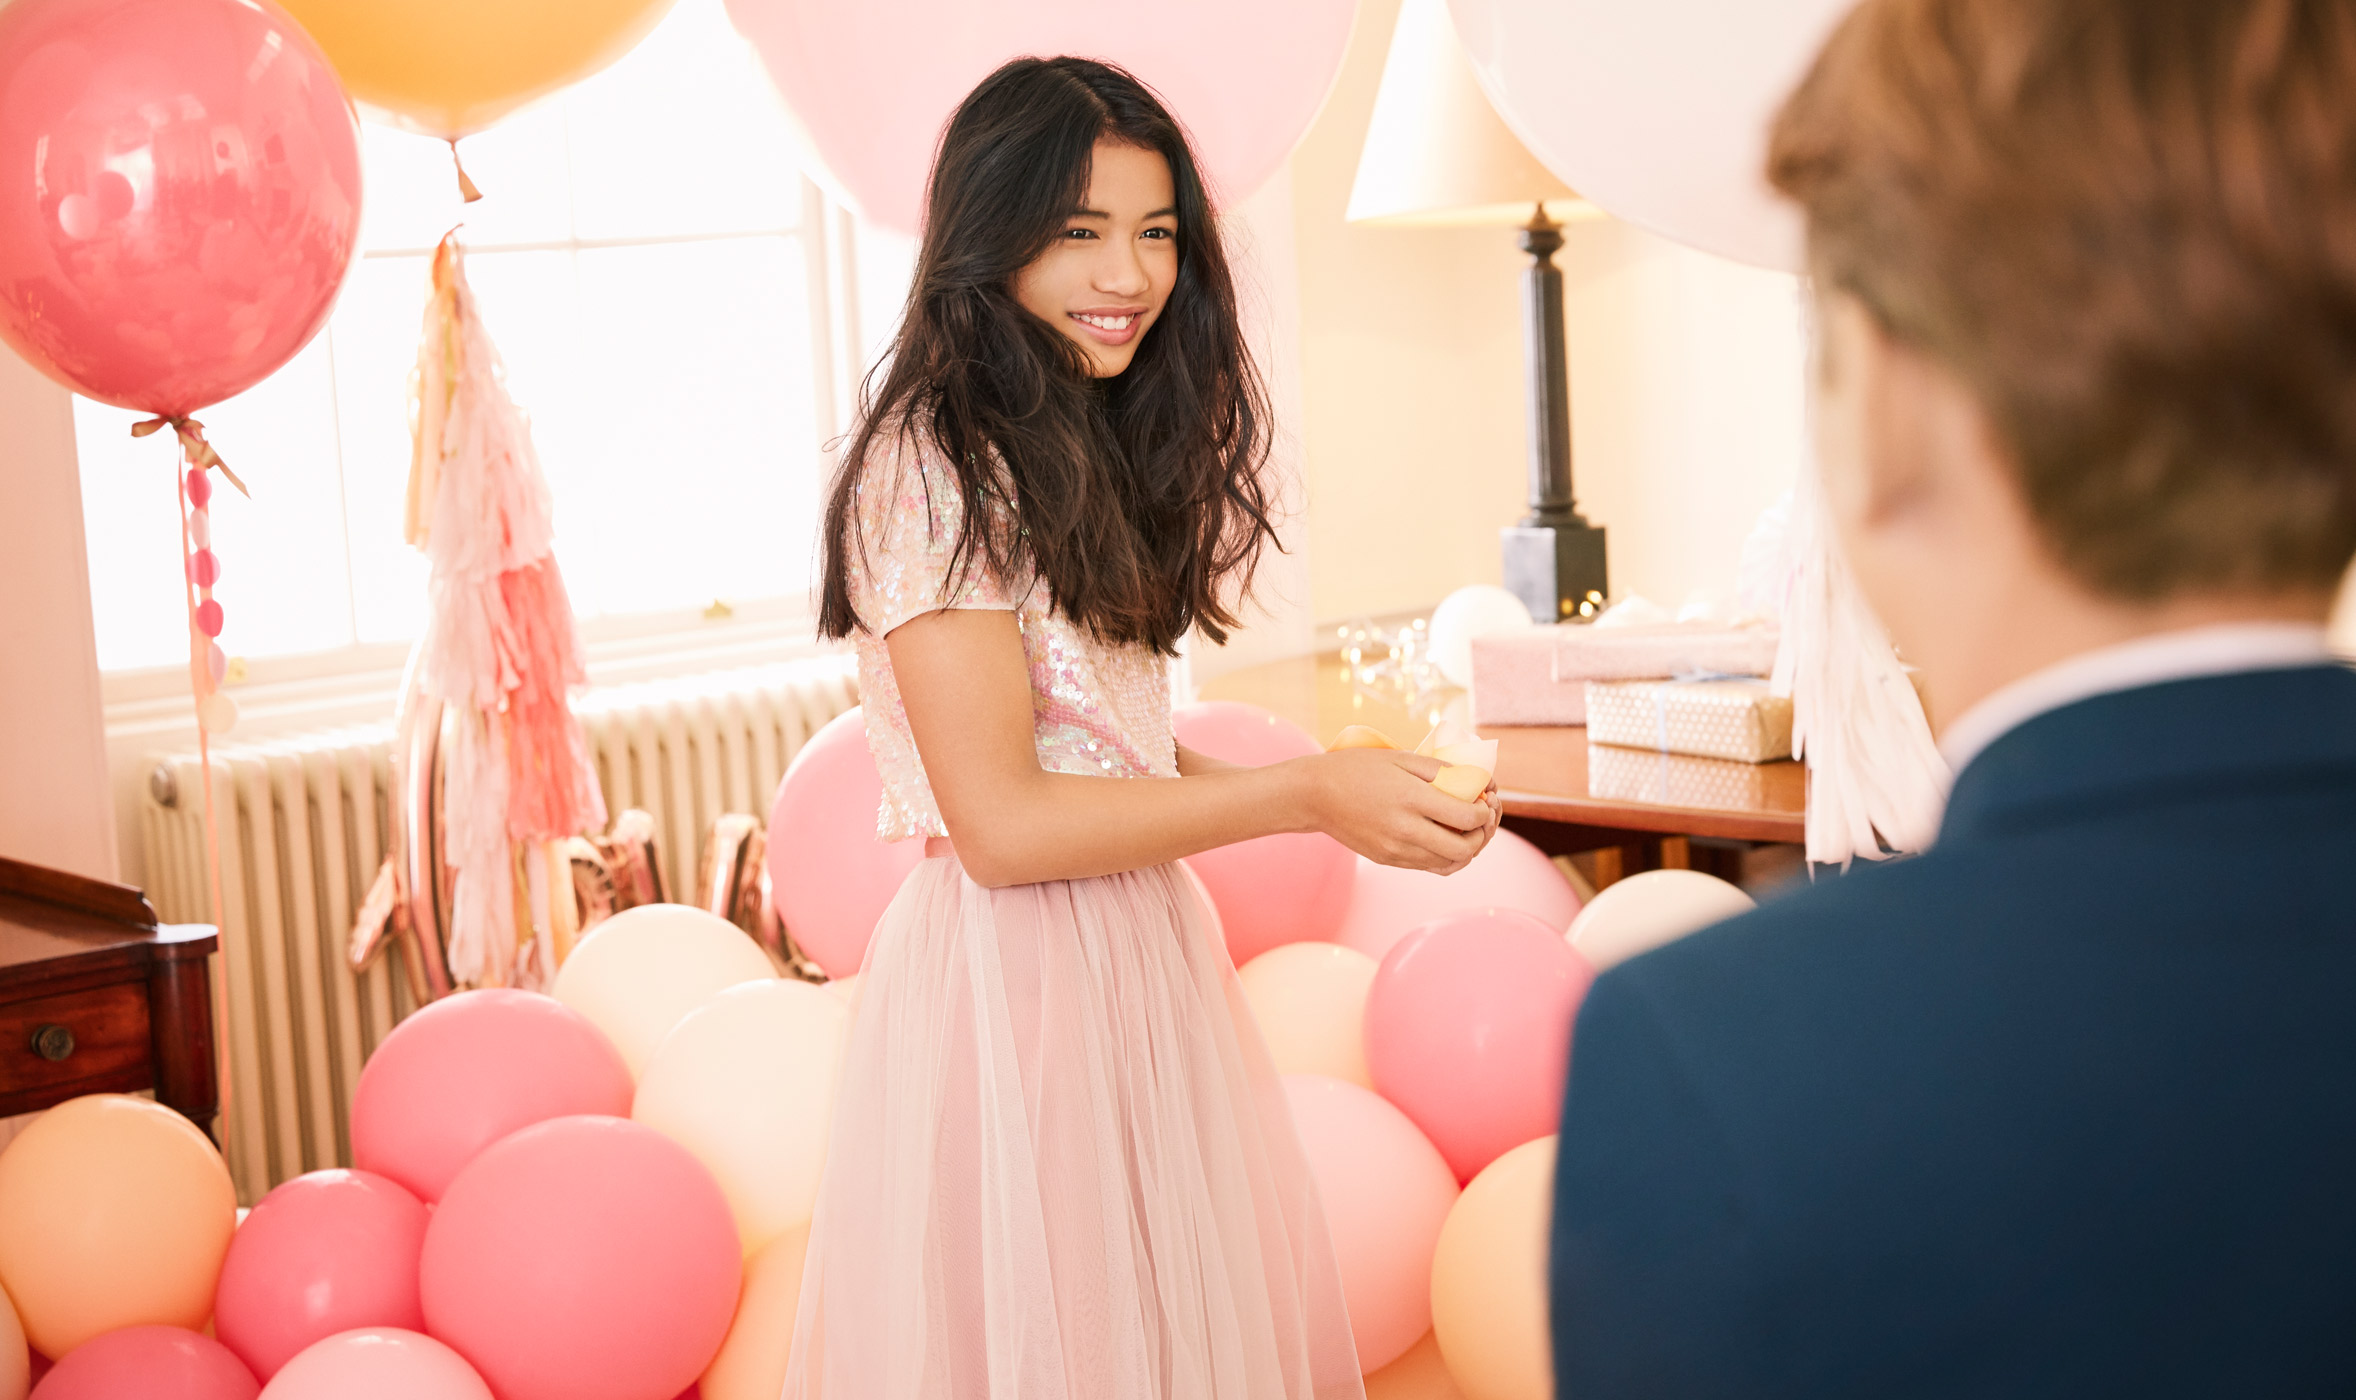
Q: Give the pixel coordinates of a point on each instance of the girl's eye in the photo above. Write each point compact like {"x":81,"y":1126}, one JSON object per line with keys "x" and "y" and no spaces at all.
{"x":1079,"y":233}
{"x":1165,"y":234}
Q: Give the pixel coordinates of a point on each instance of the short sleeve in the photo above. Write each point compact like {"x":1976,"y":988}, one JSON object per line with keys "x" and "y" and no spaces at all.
{"x":910,"y":513}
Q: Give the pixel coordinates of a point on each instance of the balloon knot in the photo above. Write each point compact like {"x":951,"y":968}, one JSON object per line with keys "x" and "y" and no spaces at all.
{"x":466,"y":186}
{"x":192,"y":442}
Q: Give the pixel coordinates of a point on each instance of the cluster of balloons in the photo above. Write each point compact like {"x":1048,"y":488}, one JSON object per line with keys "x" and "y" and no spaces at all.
{"x":602,"y":1194}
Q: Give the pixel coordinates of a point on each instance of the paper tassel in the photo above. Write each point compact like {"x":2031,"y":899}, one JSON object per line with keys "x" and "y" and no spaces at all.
{"x":500,"y":646}
{"x":1876,"y":783}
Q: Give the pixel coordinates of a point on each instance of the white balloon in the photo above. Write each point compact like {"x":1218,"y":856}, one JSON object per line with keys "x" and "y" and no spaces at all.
{"x":1476,"y":610}
{"x":746,"y":1084}
{"x":1645,"y":911}
{"x":1310,"y":1002}
{"x":639,"y":972}
{"x":1657,"y":110}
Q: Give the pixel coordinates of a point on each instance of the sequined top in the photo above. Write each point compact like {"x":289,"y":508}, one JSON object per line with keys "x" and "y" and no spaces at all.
{"x":1096,"y":708}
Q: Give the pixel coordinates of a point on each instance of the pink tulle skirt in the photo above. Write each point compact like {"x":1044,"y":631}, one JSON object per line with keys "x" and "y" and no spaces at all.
{"x":1062,"y":1167}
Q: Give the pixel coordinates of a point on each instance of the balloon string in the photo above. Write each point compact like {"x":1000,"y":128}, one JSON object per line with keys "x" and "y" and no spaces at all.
{"x":466,"y":186}
{"x":199,"y":672}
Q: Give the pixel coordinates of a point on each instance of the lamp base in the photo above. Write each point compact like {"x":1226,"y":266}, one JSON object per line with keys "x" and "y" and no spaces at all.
{"x":1556,"y":570}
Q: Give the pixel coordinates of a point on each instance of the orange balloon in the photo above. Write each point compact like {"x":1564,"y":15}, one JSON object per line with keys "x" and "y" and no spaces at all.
{"x":114,"y":1212}
{"x":751,"y":1363}
{"x":16,"y":1357}
{"x":1489,"y":1279}
{"x":449,"y":67}
{"x":1419,"y":1375}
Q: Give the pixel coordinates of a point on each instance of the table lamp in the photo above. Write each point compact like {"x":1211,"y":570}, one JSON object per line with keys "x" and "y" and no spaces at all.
{"x":1437,"y":154}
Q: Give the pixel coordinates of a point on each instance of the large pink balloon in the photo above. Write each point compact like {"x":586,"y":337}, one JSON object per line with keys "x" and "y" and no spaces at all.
{"x":583,"y":1259}
{"x":179,"y":194}
{"x":1387,"y":903}
{"x":378,"y":1363}
{"x":1657,"y":111}
{"x":829,"y":876}
{"x":1386,"y":1193}
{"x":1468,"y":1030}
{"x":166,"y":1363}
{"x":873,"y":83}
{"x":468,"y":1070}
{"x":1277,"y":889}
{"x":325,"y":1253}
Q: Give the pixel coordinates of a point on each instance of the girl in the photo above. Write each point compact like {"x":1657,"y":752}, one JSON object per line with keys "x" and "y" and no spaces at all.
{"x":1061,"y":1166}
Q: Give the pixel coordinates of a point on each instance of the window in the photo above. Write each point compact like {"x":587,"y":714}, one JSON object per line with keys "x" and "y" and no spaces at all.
{"x":654,"y":269}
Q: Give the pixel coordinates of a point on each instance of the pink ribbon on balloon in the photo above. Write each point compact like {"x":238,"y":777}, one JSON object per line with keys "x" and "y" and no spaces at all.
{"x":201,"y":455}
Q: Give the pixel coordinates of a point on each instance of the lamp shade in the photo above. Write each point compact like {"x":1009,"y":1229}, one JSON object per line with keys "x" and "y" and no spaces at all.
{"x":1436,"y":152}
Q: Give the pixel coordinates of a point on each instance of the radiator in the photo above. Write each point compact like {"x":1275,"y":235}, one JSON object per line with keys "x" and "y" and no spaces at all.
{"x":304,"y":828}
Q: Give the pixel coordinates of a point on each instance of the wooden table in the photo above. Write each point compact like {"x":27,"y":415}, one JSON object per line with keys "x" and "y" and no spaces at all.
{"x":1549,"y":783}
{"x":97,"y":998}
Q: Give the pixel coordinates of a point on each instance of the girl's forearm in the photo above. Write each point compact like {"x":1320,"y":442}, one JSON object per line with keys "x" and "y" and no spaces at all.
{"x":1068,"y":826}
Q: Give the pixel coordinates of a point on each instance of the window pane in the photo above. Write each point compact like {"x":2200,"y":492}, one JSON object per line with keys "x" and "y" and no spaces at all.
{"x":282,"y":552}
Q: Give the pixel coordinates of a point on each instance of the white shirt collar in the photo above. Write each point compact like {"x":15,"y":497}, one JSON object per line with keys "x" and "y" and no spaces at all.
{"x":2216,"y":650}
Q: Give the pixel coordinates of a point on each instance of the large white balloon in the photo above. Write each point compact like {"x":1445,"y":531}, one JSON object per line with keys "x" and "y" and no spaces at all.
{"x":640,"y":971}
{"x":1475,"y":610}
{"x":1645,"y":911}
{"x":1657,"y":110}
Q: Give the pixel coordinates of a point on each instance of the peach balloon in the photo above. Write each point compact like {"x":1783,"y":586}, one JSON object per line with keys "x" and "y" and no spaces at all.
{"x":1310,"y":1001}
{"x":377,"y":1363}
{"x":16,"y":1354}
{"x":1419,"y":1375}
{"x":1386,"y":1192}
{"x":745,"y":1082}
{"x":1386,"y":903}
{"x":638,"y":973}
{"x":114,"y":1212}
{"x":1489,"y":1279}
{"x":1652,"y":909}
{"x":751,"y":1363}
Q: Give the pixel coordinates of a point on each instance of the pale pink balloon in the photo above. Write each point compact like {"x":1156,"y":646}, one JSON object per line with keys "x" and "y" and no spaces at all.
{"x":180,"y":197}
{"x":829,"y":875}
{"x":1387,"y":903}
{"x":873,"y":83}
{"x":468,"y":1070}
{"x":149,"y":1361}
{"x":377,"y":1363}
{"x":1468,"y":1031}
{"x":1386,"y":1192}
{"x":583,"y":1259}
{"x":327,"y":1252}
{"x":1276,"y":889}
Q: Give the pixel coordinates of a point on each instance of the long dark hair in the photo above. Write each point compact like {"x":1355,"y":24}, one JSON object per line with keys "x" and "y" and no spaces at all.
{"x":1139,"y":498}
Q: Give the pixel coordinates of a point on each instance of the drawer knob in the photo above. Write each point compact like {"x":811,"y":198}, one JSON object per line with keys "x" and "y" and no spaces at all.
{"x":52,"y":1042}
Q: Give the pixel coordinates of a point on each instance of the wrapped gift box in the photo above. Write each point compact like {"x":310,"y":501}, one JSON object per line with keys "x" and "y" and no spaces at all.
{"x":1732,"y":718}
{"x":1539,"y":675}
{"x":1674,"y":779}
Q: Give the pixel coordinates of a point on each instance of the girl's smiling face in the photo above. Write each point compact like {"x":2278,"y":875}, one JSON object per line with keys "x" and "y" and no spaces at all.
{"x":1109,"y":272}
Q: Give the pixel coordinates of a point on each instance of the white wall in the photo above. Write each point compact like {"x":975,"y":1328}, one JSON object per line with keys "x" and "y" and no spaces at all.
{"x":54,"y":807}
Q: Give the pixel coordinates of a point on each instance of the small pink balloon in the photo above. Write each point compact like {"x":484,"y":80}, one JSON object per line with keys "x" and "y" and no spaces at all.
{"x":1468,"y":1031}
{"x":1387,"y":903}
{"x":208,"y":618}
{"x":327,"y":1252}
{"x":1276,"y":889}
{"x":377,"y":1363}
{"x":829,"y":875}
{"x":200,"y":487}
{"x":468,"y":1070}
{"x":873,"y":83}
{"x":1386,"y":1193}
{"x":181,"y":197}
{"x":151,"y":1363}
{"x":204,"y":568}
{"x":583,"y":1259}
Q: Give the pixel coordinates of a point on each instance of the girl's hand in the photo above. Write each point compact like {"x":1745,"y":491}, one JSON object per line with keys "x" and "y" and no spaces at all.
{"x":1381,"y":804}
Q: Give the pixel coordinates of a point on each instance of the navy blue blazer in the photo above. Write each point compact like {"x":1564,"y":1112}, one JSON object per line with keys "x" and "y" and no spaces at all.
{"x":2064,"y":1107}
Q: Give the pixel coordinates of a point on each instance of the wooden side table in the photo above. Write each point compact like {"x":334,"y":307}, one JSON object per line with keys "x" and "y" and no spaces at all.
{"x":1554,"y":794}
{"x":96,"y":997}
